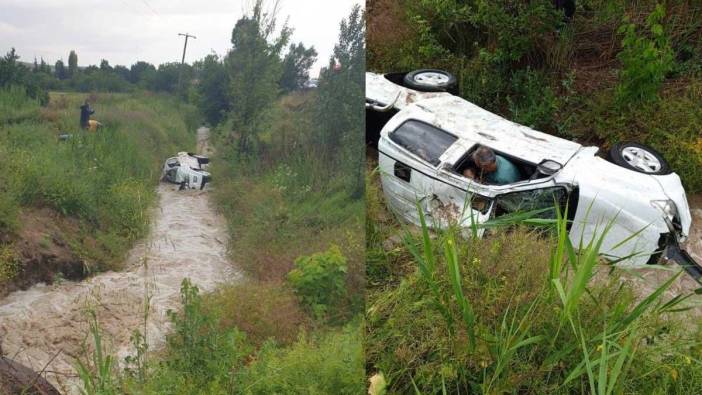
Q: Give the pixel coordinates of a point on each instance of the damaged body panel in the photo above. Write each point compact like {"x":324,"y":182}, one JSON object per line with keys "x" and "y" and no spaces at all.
{"x":187,"y":170}
{"x":424,"y":146}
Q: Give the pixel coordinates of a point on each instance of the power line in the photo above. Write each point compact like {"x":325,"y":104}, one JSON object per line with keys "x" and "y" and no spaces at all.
{"x":149,"y":7}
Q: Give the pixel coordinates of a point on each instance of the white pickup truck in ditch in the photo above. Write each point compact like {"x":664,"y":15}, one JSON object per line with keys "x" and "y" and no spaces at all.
{"x":426,"y":136}
{"x":187,"y":170}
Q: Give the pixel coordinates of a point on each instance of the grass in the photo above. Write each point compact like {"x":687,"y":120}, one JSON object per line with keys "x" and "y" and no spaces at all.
{"x":518,"y":311}
{"x":104,"y":181}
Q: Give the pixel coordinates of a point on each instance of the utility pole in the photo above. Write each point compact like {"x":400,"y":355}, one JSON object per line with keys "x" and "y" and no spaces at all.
{"x":182,"y":61}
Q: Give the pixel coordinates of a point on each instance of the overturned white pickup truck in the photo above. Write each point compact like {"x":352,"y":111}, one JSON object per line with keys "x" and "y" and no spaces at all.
{"x":187,"y":170}
{"x":426,"y":137}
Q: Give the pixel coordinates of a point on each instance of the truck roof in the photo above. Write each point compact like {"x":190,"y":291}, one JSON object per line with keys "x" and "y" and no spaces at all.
{"x":470,"y":123}
{"x":475,"y":125}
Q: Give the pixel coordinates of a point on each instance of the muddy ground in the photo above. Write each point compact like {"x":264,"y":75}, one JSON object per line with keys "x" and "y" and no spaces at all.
{"x":45,"y":326}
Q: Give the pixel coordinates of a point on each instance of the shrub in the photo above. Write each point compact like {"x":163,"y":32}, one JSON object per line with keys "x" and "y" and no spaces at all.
{"x":9,"y":264}
{"x":331,"y":363}
{"x":320,"y":279}
{"x":645,"y":60}
{"x":199,"y":356}
{"x":532,"y":102}
{"x":264,"y":311}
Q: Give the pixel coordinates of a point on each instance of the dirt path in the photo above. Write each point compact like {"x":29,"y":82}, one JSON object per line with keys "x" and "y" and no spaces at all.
{"x":44,"y":327}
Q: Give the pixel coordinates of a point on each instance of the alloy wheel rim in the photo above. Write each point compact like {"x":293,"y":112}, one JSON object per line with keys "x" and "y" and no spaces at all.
{"x":641,"y":159}
{"x":431,"y":78}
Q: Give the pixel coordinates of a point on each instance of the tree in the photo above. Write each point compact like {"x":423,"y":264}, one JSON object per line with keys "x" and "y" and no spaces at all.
{"x":296,"y":66}
{"x":139,"y":70}
{"x":72,"y":64}
{"x":122,"y":72}
{"x":254,"y":69}
{"x":60,"y":70}
{"x":213,"y":89}
{"x":166,"y":77}
{"x":341,"y":120}
{"x":17,"y":74}
{"x":11,"y":72}
{"x":105,"y":65}
{"x":44,"y":67}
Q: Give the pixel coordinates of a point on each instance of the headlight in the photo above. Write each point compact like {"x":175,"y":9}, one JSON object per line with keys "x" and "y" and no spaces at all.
{"x":667,"y":207}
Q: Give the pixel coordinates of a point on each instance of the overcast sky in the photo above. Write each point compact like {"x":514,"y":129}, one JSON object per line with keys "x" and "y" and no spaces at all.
{"x":124,"y":31}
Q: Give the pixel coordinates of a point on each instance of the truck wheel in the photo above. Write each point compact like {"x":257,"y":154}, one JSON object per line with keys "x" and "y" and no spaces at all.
{"x":431,"y":80}
{"x":639,"y":157}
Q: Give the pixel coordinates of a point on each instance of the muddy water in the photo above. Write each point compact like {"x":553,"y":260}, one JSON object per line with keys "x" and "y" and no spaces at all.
{"x":45,"y":326}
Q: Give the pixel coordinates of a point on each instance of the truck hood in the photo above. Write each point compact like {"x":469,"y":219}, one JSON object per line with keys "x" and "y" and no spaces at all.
{"x":626,"y":190}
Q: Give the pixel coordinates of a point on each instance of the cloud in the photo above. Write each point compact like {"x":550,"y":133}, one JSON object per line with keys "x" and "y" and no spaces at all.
{"x":124,"y":31}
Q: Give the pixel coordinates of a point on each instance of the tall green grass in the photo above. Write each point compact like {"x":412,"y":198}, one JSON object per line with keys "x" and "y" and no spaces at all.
{"x":522,"y":310}
{"x":105,"y":180}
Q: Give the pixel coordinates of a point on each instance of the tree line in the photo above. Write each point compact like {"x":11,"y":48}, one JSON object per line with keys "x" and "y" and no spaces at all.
{"x":41,"y":77}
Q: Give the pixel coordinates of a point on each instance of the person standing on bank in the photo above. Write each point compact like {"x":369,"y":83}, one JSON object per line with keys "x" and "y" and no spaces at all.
{"x":85,"y":113}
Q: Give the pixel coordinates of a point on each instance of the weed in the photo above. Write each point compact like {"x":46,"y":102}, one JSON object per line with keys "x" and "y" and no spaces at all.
{"x":646,"y":61}
{"x":97,"y":374}
{"x":319,"y":280}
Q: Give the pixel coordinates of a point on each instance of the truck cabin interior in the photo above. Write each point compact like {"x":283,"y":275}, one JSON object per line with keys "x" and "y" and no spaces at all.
{"x":527,"y":170}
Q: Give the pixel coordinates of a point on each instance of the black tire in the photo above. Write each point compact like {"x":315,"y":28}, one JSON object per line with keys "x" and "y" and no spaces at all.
{"x":620,"y":155}
{"x":448,"y":82}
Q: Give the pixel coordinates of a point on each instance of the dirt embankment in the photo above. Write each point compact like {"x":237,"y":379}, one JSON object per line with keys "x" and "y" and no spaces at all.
{"x":42,"y":250}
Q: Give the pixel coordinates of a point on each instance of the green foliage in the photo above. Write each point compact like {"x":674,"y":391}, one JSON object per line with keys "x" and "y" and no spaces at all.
{"x":329,"y":363}
{"x":320,"y":279}
{"x":532,"y":102}
{"x":197,"y":347}
{"x":213,"y":90}
{"x":254,"y":69}
{"x":60,"y":70}
{"x":645,"y":60}
{"x":13,"y":73}
{"x":72,"y":63}
{"x":9,"y":264}
{"x":166,"y":77}
{"x":97,"y":374}
{"x":265,"y":311}
{"x":296,"y":67}
{"x":339,"y":136}
{"x":671,"y":126}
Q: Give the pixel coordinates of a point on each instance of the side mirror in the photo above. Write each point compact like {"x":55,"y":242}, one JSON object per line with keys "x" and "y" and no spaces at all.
{"x":549,"y":167}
